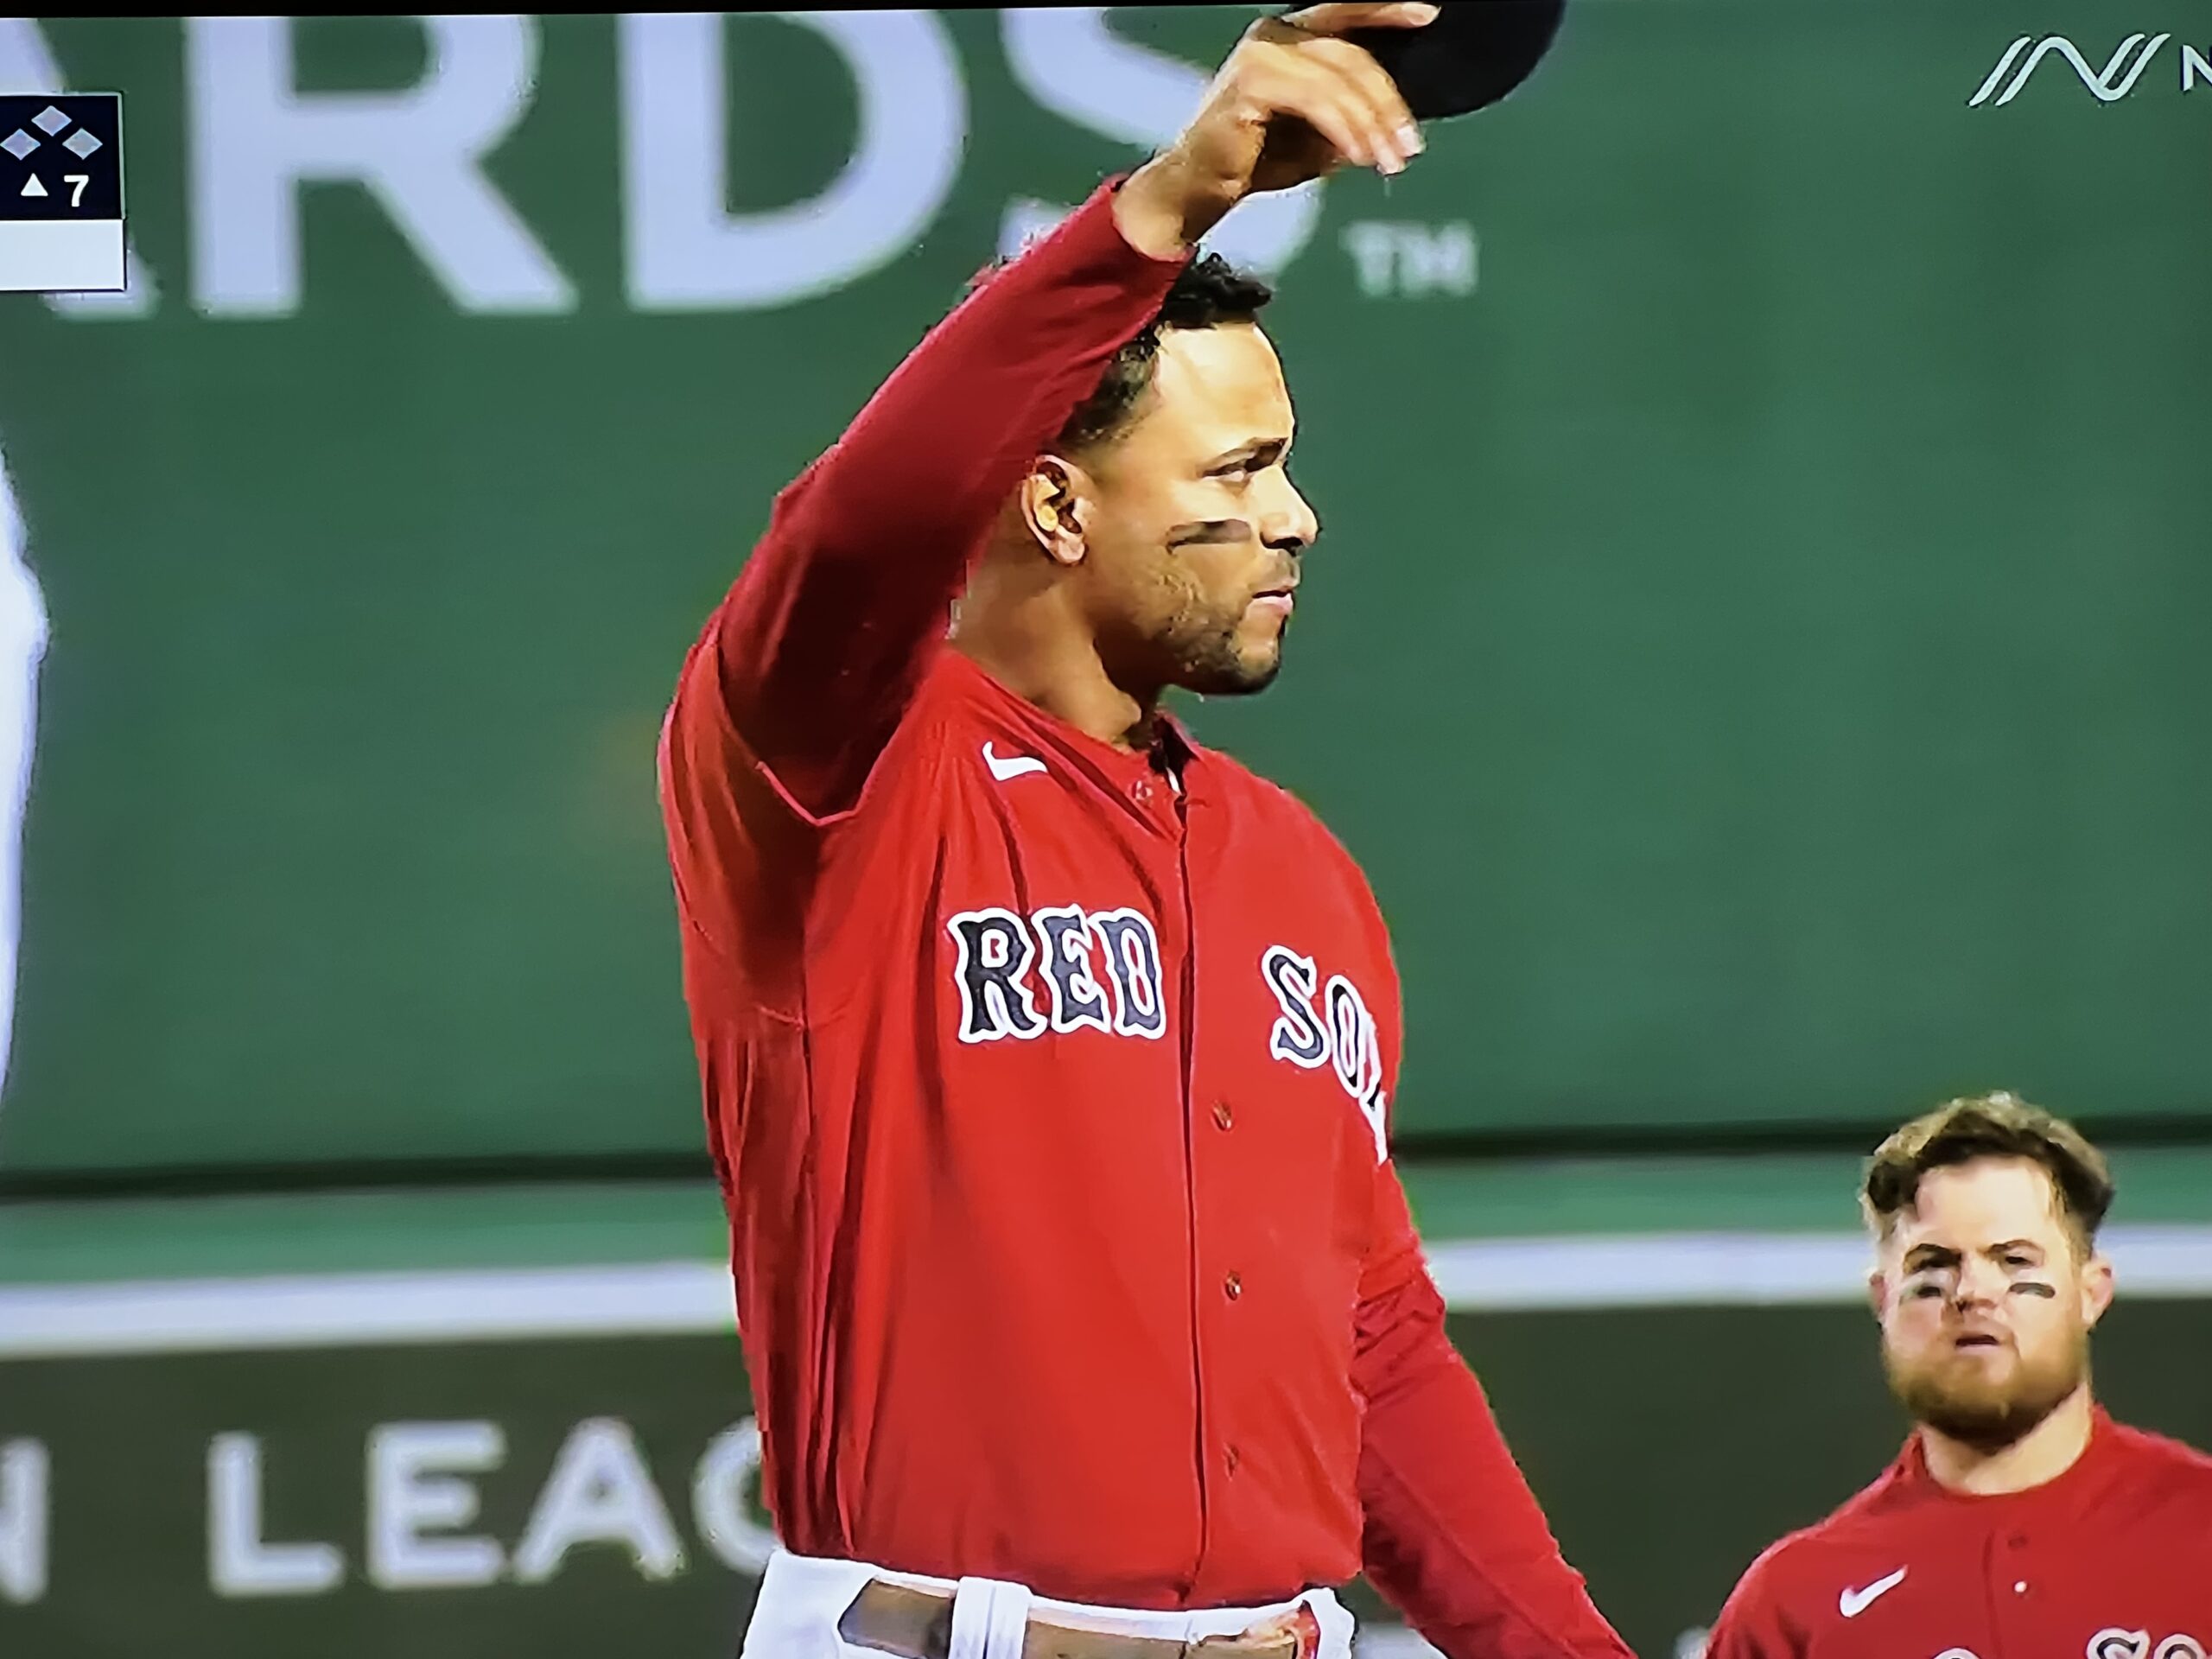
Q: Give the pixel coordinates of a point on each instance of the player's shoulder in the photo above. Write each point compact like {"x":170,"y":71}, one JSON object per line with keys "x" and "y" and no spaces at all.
{"x":1779,"y":1570}
{"x":1281,"y":809}
{"x":1284,"y":818}
{"x":1770,"y":1592}
{"x":1805,"y":1562}
{"x":2175,"y":1466}
{"x":2161,"y":1451}
{"x":1250,"y":789}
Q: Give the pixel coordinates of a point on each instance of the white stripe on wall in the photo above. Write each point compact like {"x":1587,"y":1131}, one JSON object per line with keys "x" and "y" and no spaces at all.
{"x":345,"y":1309}
{"x":1747,"y":1269}
{"x":695,"y":1298}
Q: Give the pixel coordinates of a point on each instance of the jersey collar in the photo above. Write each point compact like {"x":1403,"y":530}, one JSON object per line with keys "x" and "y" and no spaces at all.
{"x":1173,"y":751}
{"x":1912,"y":1471}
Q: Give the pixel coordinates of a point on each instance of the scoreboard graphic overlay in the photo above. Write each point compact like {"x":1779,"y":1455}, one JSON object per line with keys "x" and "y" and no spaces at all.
{"x":61,"y":193}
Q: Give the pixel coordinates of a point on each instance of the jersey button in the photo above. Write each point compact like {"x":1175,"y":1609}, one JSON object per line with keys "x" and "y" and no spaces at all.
{"x":1223,"y":1117}
{"x":1233,"y":1287}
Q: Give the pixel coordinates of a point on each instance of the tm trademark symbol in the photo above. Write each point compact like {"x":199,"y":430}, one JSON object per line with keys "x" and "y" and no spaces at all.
{"x":1393,"y":259}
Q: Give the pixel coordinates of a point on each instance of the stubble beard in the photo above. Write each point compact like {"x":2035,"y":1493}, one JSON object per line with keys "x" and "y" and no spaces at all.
{"x":1213,"y":665}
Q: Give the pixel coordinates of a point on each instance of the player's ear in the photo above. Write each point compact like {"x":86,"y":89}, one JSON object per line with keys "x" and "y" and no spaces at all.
{"x":1053,"y":510}
{"x":2096,"y":1290}
{"x":1877,"y":1292}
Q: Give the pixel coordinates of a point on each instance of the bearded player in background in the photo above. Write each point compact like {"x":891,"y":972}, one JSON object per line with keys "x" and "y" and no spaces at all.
{"x":1047,"y":1055}
{"x":2020,"y":1522}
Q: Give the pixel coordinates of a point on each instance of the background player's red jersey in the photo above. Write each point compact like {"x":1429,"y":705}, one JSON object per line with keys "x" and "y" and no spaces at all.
{"x":1049,"y":1098}
{"x":2113,"y":1560}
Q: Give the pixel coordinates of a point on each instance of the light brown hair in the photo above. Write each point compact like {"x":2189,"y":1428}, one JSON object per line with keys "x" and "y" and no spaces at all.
{"x":2000,"y":1125}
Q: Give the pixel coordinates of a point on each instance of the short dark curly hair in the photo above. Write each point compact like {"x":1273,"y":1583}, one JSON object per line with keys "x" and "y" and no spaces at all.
{"x":1210,"y":293}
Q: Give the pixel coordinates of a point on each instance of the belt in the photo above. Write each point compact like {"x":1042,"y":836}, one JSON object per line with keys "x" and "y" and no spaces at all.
{"x":918,"y":1625}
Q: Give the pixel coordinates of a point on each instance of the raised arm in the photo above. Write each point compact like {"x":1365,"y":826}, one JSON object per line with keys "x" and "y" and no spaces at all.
{"x":810,"y":660}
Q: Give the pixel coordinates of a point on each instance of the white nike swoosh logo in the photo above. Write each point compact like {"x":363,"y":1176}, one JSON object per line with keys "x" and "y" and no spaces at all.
{"x":1012,"y":766}
{"x":1851,"y":1602}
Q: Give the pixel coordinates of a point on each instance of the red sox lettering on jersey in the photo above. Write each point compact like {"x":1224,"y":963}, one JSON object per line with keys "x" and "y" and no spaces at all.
{"x":1064,"y":969}
{"x":2117,"y":1643}
{"x":1021,"y":978}
{"x":1342,"y":1038}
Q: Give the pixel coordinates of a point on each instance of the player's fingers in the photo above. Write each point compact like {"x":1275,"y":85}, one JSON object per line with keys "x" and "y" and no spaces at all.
{"x":1370,"y":83}
{"x":1337,"y":20}
{"x":1288,"y":78}
{"x":1337,"y":119}
{"x":1339,"y":107}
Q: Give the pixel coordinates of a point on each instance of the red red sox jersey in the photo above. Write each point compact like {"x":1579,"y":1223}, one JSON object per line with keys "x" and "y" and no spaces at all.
{"x":2113,"y":1560}
{"x":1049,"y":1084}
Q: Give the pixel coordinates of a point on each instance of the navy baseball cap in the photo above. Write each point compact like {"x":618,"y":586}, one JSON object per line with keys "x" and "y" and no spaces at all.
{"x":1474,"y":54}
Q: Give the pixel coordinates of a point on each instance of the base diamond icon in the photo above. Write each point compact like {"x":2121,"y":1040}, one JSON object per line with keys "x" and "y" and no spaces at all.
{"x":61,"y":200}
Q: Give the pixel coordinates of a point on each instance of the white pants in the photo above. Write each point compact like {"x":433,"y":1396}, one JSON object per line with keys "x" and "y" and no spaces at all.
{"x":803,"y":1597}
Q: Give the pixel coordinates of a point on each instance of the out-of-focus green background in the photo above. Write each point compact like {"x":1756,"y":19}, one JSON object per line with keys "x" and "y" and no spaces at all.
{"x":1756,"y":649}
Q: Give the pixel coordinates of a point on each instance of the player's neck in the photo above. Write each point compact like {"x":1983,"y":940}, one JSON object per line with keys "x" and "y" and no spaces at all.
{"x":2044,"y":1453}
{"x":1060,"y":673}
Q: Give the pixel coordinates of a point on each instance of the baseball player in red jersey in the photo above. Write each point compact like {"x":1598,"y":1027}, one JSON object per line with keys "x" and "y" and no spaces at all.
{"x":1048,"y":1055}
{"x":2020,"y":1522}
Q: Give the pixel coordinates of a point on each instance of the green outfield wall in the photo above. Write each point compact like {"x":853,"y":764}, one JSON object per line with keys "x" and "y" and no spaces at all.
{"x":1756,"y":645}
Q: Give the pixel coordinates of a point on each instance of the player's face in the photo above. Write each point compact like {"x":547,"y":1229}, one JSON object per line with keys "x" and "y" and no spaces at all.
{"x":1987,"y":1302}
{"x":1195,"y":532}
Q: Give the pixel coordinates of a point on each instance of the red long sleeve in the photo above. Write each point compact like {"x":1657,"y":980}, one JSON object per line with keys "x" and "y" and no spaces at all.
{"x":1453,"y":1537}
{"x":822,"y":639}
